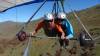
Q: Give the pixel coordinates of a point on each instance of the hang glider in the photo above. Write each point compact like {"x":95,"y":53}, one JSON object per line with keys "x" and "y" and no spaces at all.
{"x":8,"y":4}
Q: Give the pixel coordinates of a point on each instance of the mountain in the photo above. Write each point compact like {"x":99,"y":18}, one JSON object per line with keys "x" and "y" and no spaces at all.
{"x":9,"y":28}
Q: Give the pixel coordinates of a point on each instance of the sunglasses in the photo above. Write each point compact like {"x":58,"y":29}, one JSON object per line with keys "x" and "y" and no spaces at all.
{"x":49,"y":20}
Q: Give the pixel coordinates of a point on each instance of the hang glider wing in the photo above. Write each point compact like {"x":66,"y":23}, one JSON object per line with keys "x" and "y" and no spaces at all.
{"x":8,"y":4}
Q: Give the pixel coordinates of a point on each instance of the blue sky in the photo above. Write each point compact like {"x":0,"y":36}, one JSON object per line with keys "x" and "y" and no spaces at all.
{"x":23,"y":13}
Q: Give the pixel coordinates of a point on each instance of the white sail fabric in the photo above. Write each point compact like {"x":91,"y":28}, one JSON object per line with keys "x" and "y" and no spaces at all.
{"x":8,"y":4}
{"x":4,"y":4}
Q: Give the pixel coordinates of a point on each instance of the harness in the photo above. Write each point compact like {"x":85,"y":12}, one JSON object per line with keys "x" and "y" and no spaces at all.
{"x":66,"y":26}
{"x":49,"y":31}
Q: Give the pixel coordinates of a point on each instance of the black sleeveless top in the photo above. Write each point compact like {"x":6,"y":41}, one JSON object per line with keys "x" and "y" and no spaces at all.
{"x":50,"y":32}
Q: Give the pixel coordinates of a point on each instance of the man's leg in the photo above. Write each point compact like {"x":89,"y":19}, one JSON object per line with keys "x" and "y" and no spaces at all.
{"x":59,"y":50}
{"x":61,"y":42}
{"x":66,"y":41}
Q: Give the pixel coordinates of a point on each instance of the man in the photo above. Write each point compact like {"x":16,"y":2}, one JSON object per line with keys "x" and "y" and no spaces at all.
{"x":50,"y":28}
{"x":66,"y":27}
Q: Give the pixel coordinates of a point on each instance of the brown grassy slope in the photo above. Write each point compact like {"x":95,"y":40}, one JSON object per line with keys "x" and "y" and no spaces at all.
{"x":8,"y":29}
{"x":90,"y":18}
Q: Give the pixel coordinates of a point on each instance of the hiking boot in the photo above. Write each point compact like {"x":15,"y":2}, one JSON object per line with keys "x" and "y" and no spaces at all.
{"x":61,"y":42}
{"x":66,"y":41}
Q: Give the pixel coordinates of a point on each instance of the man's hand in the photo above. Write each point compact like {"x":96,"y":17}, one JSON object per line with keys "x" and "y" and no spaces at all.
{"x":66,"y":37}
{"x":63,"y":36}
{"x":32,"y":33}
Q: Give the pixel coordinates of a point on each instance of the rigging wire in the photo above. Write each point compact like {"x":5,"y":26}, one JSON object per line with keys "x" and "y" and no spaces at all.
{"x":62,"y":5}
{"x":23,"y":27}
{"x":16,"y":12}
{"x":30,"y":18}
{"x":82,"y":25}
{"x":58,"y":9}
{"x":26,"y":51}
{"x":78,"y":19}
{"x":53,"y":7}
{"x":16,"y":16}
